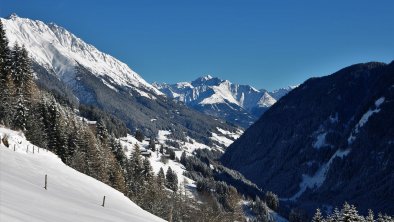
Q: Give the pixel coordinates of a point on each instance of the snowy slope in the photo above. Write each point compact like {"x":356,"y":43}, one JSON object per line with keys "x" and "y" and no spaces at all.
{"x":71,"y":196}
{"x":222,"y":137}
{"x":239,"y":104}
{"x":60,"y":52}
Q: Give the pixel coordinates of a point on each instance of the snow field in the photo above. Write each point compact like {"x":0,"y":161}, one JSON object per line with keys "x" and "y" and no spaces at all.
{"x":71,"y":196}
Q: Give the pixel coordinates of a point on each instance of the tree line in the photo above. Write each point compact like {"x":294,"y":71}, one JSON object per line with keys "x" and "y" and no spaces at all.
{"x":348,"y":213}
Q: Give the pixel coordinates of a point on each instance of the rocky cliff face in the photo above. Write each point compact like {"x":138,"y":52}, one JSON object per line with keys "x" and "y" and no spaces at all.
{"x":328,"y":141}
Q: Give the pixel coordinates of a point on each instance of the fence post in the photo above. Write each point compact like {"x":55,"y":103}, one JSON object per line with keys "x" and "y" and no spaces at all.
{"x":14,"y":147}
{"x":33,"y":149}
{"x":103,"y":202}
{"x":46,"y":178}
{"x":27,"y":149}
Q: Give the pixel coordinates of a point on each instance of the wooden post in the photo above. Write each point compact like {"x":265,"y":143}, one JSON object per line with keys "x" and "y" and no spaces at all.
{"x":170,"y":215}
{"x":14,"y":147}
{"x":103,"y":202}
{"x":38,"y":149}
{"x":27,"y":149}
{"x":46,"y":179}
{"x":33,"y":149}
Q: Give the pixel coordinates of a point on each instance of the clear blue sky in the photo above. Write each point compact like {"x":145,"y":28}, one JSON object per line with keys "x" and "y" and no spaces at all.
{"x":267,"y":44}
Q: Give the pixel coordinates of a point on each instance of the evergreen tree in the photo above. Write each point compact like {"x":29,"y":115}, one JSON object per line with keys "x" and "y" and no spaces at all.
{"x":272,"y":200}
{"x":152,"y":145}
{"x":135,"y":170}
{"x":161,"y":179}
{"x":171,"y":179}
{"x":117,"y":150}
{"x":29,"y":87}
{"x":20,"y":115}
{"x":102,"y":132}
{"x":6,"y":80}
{"x":349,"y":213}
{"x":4,"y":52}
{"x":57,"y":137}
{"x":318,"y":216}
{"x":6,"y":101}
{"x":147,"y":171}
{"x":139,"y":135}
{"x":370,"y":217}
{"x":183,"y":158}
{"x":384,"y":218}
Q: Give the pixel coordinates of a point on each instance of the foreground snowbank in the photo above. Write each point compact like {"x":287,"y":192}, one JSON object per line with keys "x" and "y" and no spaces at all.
{"x":71,"y":196}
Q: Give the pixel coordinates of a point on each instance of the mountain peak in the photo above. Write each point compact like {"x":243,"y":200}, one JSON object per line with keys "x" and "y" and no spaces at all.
{"x":204,"y":78}
{"x":60,"y":51}
{"x":207,"y":77}
{"x":13,"y":16}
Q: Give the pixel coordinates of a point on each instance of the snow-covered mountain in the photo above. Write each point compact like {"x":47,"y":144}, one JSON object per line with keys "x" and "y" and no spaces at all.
{"x":60,"y":52}
{"x":79,"y":73}
{"x":239,"y":104}
{"x":71,"y":196}
{"x":328,"y":141}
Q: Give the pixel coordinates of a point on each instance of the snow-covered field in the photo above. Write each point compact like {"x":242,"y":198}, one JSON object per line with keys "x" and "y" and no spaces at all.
{"x":71,"y":196}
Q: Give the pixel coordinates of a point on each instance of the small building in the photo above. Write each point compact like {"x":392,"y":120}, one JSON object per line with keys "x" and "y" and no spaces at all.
{"x":146,"y":153}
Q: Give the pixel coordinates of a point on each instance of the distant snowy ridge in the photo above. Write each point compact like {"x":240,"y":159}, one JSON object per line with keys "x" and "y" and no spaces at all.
{"x":60,"y":51}
{"x":239,"y":104}
{"x":71,"y":196}
{"x":212,"y":90}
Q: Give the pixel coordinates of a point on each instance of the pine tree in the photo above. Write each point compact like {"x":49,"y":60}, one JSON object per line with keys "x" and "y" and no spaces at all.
{"x":135,"y":170}
{"x":272,"y":200}
{"x":183,"y":158}
{"x":139,"y":135}
{"x":318,"y":216}
{"x":6,"y":100}
{"x":349,"y":213}
{"x":117,"y":150}
{"x":6,"y":81}
{"x":57,"y":138}
{"x":335,"y":216}
{"x":161,"y":179}
{"x":102,"y":132}
{"x":4,"y":52}
{"x":29,"y":87}
{"x":152,"y":145}
{"x":19,"y":119}
{"x":370,"y":217}
{"x":147,"y":171}
{"x":384,"y":218}
{"x":171,"y":179}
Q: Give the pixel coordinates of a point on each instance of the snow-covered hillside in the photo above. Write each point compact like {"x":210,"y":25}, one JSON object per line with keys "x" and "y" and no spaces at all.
{"x":223,"y":137}
{"x":239,"y":104}
{"x":71,"y":196}
{"x":60,"y":52}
